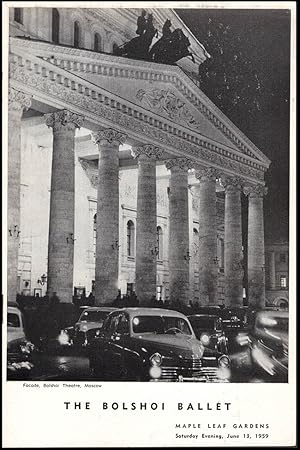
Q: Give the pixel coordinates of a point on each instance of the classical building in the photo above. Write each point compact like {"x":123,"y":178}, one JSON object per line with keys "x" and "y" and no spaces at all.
{"x":122,"y":174}
{"x":277,"y":273}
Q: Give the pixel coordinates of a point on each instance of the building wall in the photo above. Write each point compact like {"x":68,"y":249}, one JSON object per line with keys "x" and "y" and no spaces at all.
{"x":279,"y":293}
{"x":37,"y":24}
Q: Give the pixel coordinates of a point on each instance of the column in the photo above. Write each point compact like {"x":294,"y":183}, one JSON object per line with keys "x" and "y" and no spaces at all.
{"x":107,"y":243}
{"x":256,"y":246}
{"x":208,"y":260}
{"x":179,"y":254}
{"x":272,"y":272}
{"x":17,"y":103}
{"x":62,"y":205}
{"x":233,"y":242}
{"x":146,"y":227}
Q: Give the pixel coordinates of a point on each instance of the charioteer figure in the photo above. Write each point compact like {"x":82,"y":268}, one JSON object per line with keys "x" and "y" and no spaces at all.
{"x":141,"y":23}
{"x":138,"y":47}
{"x":171,"y":47}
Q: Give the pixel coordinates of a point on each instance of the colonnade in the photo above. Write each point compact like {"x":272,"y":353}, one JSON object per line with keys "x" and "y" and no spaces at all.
{"x":61,"y":224}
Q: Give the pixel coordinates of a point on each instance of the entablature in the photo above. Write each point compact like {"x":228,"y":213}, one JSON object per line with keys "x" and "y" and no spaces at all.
{"x":52,"y":81}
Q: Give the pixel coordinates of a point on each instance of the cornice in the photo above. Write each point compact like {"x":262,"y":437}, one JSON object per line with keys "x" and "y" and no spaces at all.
{"x":109,"y":65}
{"x":39,"y":76}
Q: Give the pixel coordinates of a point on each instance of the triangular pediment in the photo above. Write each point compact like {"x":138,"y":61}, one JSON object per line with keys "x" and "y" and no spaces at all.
{"x":162,"y":99}
{"x":162,"y":92}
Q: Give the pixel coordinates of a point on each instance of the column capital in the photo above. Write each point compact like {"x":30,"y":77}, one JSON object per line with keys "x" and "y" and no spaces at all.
{"x":182,"y":164}
{"x":231,"y":182}
{"x":207,"y":173}
{"x":109,"y":136}
{"x":63,"y":120}
{"x":255,"y":190}
{"x":18,"y":101}
{"x":148,"y":150}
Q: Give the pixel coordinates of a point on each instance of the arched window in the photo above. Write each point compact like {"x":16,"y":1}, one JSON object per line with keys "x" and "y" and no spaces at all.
{"x":130,"y":238}
{"x":97,"y":42}
{"x":55,"y":26}
{"x":76,"y":34}
{"x":95,"y":233}
{"x":18,"y":15}
{"x":114,"y":47}
{"x":159,"y":237}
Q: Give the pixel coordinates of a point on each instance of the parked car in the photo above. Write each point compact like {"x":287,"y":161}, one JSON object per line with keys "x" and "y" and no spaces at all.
{"x":89,"y":324}
{"x":209,"y":330}
{"x":268,"y":340}
{"x":153,"y":344}
{"x":19,"y":348}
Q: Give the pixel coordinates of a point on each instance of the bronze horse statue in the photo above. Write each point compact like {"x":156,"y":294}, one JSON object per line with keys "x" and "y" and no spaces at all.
{"x":138,"y":47}
{"x":171,"y":48}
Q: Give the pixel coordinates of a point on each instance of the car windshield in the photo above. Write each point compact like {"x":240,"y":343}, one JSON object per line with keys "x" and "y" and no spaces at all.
{"x":160,"y":325}
{"x":205,"y":323}
{"x":93,"y":316}
{"x":279,"y":324}
{"x":13,"y":320}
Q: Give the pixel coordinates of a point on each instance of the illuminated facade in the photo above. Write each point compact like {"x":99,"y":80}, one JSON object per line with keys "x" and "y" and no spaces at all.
{"x":122,"y":174}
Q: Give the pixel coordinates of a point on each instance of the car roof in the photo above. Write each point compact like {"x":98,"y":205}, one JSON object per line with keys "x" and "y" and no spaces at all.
{"x":13,"y":309}
{"x":152,"y":312}
{"x":210,"y":316}
{"x":100,"y":308}
{"x":273,"y":313}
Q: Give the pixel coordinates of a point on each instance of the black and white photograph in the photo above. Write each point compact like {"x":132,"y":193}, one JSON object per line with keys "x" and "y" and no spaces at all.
{"x":148,"y":187}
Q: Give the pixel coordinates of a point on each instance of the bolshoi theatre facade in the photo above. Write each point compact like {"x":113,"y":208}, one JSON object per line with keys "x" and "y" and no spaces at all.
{"x":122,"y":174}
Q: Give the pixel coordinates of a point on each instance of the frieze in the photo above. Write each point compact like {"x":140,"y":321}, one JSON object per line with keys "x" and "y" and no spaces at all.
{"x":181,"y":163}
{"x":109,"y":135}
{"x":149,"y":150}
{"x":131,"y":123}
{"x":161,"y":200}
{"x":63,"y":120}
{"x":128,"y":192}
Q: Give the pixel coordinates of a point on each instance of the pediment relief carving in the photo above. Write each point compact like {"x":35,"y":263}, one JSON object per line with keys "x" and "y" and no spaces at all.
{"x":168,"y":104}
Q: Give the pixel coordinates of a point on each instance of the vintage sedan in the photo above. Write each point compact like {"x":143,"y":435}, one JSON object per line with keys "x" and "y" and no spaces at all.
{"x":153,"y":344}
{"x":19,"y":348}
{"x":209,"y":330}
{"x":268,"y":340}
{"x":90,"y":323}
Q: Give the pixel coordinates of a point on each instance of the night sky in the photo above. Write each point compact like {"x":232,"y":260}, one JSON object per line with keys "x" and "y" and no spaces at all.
{"x":250,"y":52}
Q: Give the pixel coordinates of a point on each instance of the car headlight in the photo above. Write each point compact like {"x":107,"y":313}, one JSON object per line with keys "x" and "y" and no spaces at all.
{"x":97,"y":333}
{"x":27,"y":347}
{"x":223,"y":361}
{"x":205,"y":339}
{"x":156,"y":359}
